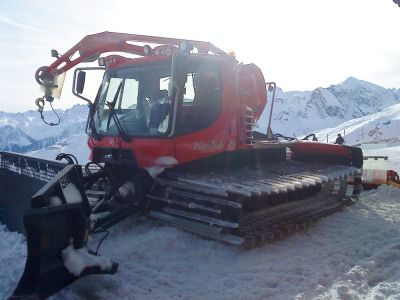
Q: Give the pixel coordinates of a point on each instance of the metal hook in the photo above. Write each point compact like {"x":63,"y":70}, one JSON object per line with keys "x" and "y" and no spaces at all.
{"x":40,"y":104}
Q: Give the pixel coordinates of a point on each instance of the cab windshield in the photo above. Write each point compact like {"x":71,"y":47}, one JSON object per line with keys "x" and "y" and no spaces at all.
{"x":135,"y":101}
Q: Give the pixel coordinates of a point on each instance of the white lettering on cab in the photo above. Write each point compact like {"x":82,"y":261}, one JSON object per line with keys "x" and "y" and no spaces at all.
{"x":211,"y":145}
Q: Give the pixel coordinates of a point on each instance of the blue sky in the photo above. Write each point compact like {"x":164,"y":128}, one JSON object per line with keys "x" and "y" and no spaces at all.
{"x":299,"y":44}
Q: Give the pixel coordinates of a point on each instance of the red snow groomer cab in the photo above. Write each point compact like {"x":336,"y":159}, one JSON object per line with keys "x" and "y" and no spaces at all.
{"x":171,"y":133}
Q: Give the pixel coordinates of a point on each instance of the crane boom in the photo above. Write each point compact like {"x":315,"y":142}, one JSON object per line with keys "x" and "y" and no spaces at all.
{"x":92,"y":46}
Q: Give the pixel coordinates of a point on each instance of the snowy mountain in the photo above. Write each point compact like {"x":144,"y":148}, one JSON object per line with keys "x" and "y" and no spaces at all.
{"x":300,"y":113}
{"x":31,"y":123}
{"x":380,"y":127}
{"x":22,"y":132}
{"x":14,"y":139}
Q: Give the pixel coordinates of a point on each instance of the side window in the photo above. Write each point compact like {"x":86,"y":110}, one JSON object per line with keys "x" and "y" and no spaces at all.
{"x":130,"y":94}
{"x":201,"y":101}
{"x":112,"y":88}
{"x":188,"y":96}
{"x":164,"y":83}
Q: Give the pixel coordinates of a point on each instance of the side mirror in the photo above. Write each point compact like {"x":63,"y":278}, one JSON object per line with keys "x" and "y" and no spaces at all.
{"x":54,"y":53}
{"x":80,"y":82}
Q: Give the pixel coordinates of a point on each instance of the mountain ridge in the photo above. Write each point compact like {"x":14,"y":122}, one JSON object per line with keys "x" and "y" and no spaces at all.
{"x":320,"y":108}
{"x":296,"y":113}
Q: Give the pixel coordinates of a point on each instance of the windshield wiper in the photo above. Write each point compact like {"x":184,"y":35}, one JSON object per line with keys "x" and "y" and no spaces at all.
{"x":111,"y":105}
{"x":112,"y":114}
{"x":118,"y":124}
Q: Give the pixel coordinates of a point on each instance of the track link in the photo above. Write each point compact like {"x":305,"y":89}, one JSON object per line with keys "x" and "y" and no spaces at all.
{"x":251,"y":206}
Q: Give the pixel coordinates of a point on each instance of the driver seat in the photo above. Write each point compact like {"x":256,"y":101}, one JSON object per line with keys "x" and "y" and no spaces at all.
{"x":158,"y":110}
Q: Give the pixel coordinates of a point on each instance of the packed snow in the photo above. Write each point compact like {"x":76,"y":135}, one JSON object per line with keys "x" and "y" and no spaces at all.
{"x":128,"y":188}
{"x":72,"y":194}
{"x":77,"y":260}
{"x":161,"y":164}
{"x":12,"y":260}
{"x":353,"y":254}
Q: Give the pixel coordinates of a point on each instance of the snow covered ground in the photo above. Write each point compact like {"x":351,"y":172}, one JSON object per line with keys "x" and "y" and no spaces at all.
{"x":353,"y":254}
{"x":380,"y":127}
{"x":75,"y":144}
{"x":12,"y":257}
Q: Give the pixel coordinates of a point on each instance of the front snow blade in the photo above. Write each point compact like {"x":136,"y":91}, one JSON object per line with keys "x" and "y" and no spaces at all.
{"x":59,"y":219}
{"x":21,"y":177}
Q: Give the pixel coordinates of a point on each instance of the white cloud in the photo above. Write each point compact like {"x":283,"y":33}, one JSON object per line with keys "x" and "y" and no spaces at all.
{"x":19,"y":25}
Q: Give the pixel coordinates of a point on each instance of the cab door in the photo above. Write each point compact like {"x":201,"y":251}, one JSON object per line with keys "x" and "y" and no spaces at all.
{"x":200,"y":129}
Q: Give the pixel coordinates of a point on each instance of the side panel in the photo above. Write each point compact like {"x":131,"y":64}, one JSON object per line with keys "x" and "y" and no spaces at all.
{"x":205,"y":143}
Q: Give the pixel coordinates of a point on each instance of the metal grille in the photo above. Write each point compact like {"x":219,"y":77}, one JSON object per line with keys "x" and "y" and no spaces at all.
{"x":41,"y":169}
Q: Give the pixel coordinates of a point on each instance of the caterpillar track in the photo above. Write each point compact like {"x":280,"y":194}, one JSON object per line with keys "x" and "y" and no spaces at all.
{"x":252,"y":206}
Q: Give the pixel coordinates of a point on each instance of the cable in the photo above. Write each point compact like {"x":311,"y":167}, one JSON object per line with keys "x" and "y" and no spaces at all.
{"x":87,"y":169}
{"x":288,"y":138}
{"x":70,"y":158}
{"x":40,"y":104}
{"x":314,"y":138}
{"x":101,"y":240}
